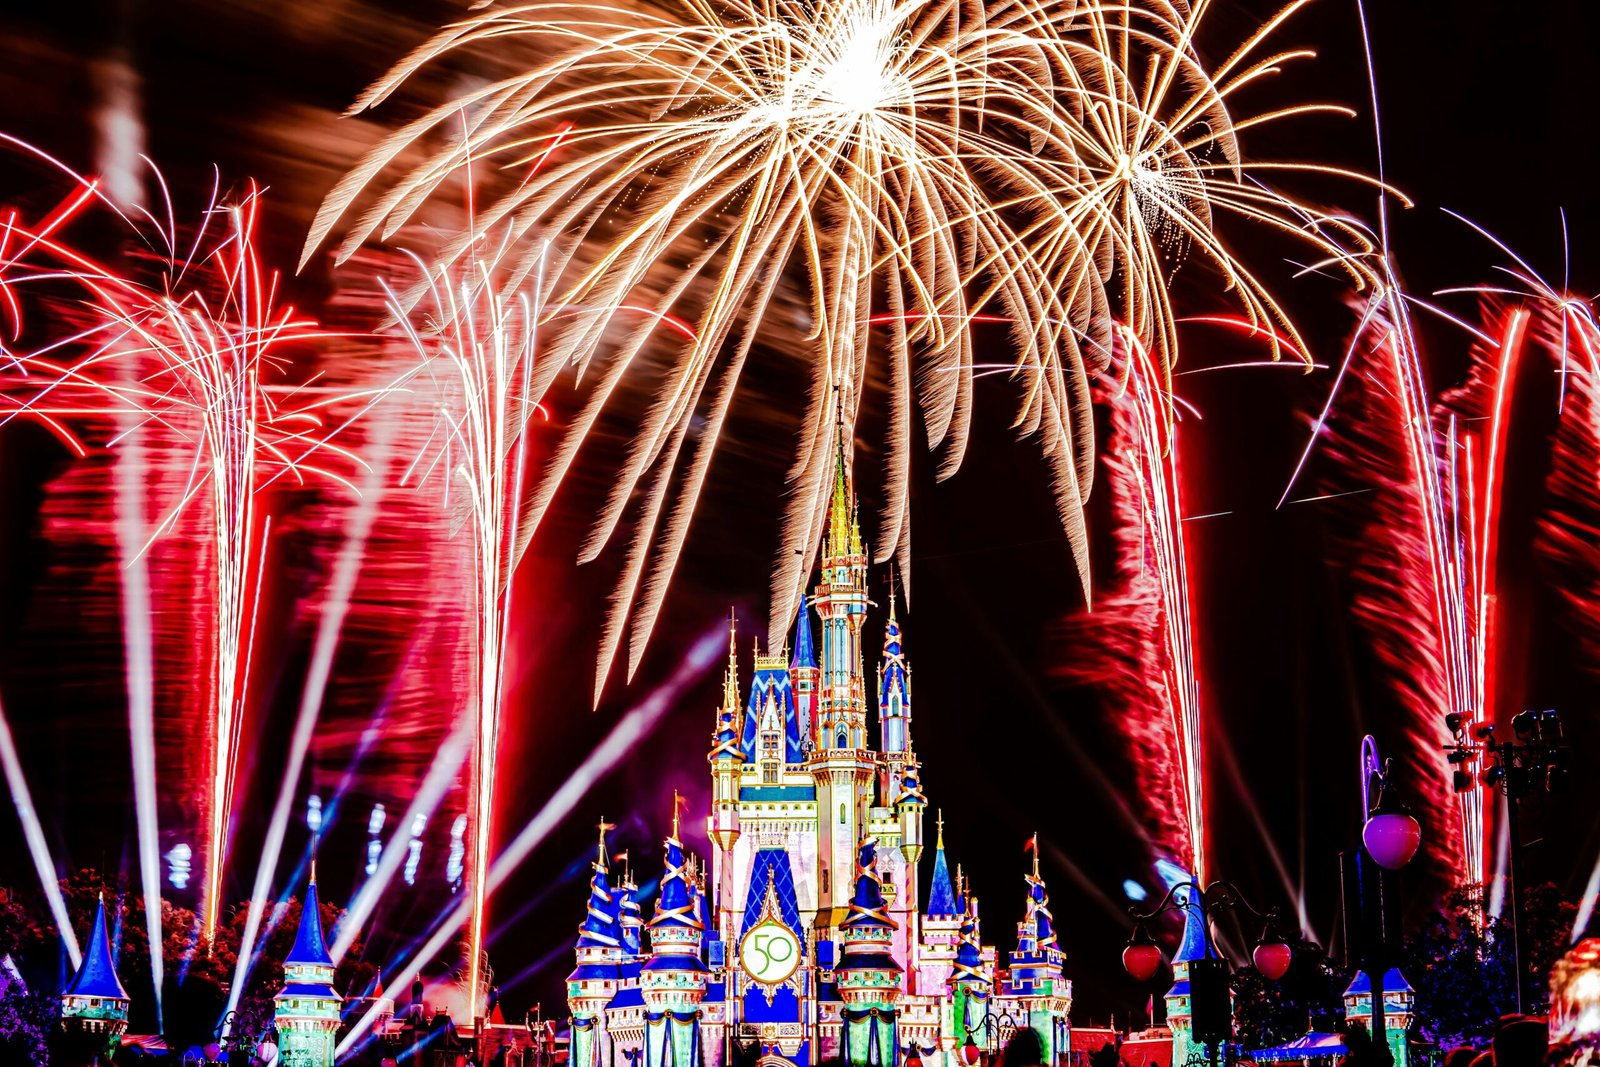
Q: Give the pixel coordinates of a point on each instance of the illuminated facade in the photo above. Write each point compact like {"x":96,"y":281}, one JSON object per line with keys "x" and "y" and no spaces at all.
{"x":806,"y":936}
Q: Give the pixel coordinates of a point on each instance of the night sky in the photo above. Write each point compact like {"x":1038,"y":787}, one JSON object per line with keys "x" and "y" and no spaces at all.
{"x":1487,"y":110}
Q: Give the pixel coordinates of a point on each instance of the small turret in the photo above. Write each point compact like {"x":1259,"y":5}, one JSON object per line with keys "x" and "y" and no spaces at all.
{"x":867,"y":972}
{"x":674,"y":977}
{"x":306,"y":1009}
{"x":1399,"y":1007}
{"x":1190,"y":949}
{"x":94,"y":1005}
{"x":1036,"y":962}
{"x":594,"y":980}
{"x":909,"y":805}
{"x":630,"y":917}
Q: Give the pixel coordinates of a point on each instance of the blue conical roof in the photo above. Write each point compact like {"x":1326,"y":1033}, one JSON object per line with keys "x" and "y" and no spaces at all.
{"x":97,"y":973}
{"x":1044,"y":925}
{"x":675,"y":905}
{"x":969,"y":954}
{"x":804,"y":653}
{"x":941,"y":894}
{"x":600,"y":928}
{"x":867,"y":905}
{"x":310,"y":948}
{"x":911,"y":786}
{"x":895,"y":678}
{"x":1193,"y":945}
{"x":629,"y":907}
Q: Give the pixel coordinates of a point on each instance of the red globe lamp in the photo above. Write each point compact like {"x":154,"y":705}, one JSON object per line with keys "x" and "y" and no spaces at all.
{"x":969,"y":1052}
{"x":1272,"y":955}
{"x":1392,"y":834}
{"x":915,"y":1058}
{"x":1141,"y":957}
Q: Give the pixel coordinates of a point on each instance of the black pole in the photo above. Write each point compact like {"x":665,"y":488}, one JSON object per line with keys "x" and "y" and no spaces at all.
{"x":1514,"y":870}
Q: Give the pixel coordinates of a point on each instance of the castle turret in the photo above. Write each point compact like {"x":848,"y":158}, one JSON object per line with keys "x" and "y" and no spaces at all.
{"x":94,"y":1006}
{"x":941,"y":890}
{"x":674,"y":977}
{"x":971,"y":986}
{"x":306,"y":1009}
{"x":867,"y":975}
{"x":1035,"y":972}
{"x":594,"y":981}
{"x":1190,"y":949}
{"x":630,"y":917}
{"x":842,"y":764}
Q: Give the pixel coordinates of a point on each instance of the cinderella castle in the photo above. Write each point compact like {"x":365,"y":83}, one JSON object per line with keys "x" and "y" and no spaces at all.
{"x":812,"y":931}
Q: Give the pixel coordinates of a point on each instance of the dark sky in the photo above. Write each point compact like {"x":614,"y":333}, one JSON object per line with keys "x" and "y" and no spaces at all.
{"x":1487,"y":110}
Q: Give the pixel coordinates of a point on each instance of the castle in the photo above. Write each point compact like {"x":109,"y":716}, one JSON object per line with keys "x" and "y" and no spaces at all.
{"x":806,"y":935}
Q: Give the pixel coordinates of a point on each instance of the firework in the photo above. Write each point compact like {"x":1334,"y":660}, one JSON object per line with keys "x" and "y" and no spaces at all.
{"x":767,"y":163}
{"x":478,"y":346}
{"x":184,"y":351}
{"x":1137,"y":646}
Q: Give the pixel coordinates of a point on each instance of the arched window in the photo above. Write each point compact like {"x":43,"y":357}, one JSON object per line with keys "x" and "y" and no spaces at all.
{"x":844,"y":738}
{"x":841,"y":814}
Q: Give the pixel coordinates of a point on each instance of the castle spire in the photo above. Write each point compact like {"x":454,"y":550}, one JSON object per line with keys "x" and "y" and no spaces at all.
{"x":306,"y":1009}
{"x":941,"y":894}
{"x":730,"y":677}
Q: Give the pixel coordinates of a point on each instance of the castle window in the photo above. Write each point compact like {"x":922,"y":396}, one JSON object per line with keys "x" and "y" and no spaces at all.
{"x":841,"y":814}
{"x":844,"y":739}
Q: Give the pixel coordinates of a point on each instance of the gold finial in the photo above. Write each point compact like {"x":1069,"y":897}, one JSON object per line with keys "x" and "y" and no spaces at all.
{"x":939,"y":822}
{"x":313,"y":865}
{"x":677,"y":806}
{"x":600,"y":855}
{"x":1033,"y":845}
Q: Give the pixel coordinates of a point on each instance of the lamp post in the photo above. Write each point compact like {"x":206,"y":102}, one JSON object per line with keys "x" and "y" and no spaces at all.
{"x":969,"y":1048}
{"x":1536,"y":762}
{"x":1390,"y":837}
{"x":1210,"y":1008}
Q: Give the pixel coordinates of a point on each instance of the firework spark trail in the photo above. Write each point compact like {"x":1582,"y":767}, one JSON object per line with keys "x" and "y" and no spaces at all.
{"x":43,"y":864}
{"x":314,"y":690}
{"x":1035,"y":158}
{"x":187,"y":355}
{"x":1137,"y":646}
{"x":629,"y":731}
{"x":482,"y":341}
{"x":1421,"y":550}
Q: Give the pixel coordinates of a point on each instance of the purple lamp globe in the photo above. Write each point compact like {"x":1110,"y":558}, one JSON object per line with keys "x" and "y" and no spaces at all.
{"x":1392,"y":837}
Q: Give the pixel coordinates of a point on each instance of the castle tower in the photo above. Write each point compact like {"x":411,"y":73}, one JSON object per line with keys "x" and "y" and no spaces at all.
{"x":939,"y":927}
{"x":894,"y":695}
{"x":594,"y":981}
{"x":842,"y":764}
{"x":94,"y":1005}
{"x":867,"y":975}
{"x":1190,"y":949}
{"x":1036,"y":977}
{"x":674,"y":977}
{"x":1399,"y":1009}
{"x":306,"y":1009}
{"x":630,"y":917}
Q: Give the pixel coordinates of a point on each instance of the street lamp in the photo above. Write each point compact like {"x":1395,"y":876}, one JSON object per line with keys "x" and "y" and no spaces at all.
{"x":1390,"y":836}
{"x":1210,"y":1008}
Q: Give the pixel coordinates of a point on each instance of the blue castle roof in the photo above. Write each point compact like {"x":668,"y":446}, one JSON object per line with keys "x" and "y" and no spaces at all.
{"x":600,"y":928}
{"x":310,"y":949}
{"x":97,"y":972}
{"x":1044,"y":928}
{"x":895,"y":679}
{"x":867,"y":905}
{"x":1393,"y":982}
{"x":969,"y":954}
{"x":772,"y":684}
{"x":911,"y":786}
{"x":941,"y":894}
{"x":804,"y":652}
{"x":1193,"y":945}
{"x":629,"y":906}
{"x":674,"y":906}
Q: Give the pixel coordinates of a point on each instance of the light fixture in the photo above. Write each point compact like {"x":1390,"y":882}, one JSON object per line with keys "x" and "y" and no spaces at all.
{"x":1141,"y":958}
